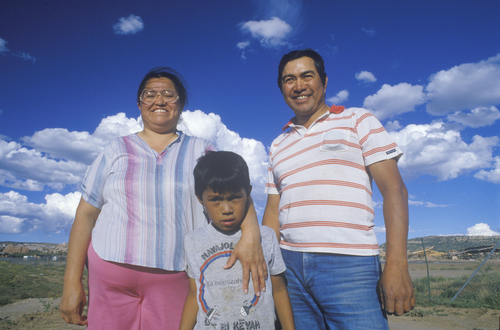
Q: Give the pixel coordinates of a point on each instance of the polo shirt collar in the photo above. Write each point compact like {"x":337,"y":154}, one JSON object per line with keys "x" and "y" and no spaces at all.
{"x":336,"y":109}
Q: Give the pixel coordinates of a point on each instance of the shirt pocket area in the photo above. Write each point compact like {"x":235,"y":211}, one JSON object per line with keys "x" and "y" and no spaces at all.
{"x":334,"y":140}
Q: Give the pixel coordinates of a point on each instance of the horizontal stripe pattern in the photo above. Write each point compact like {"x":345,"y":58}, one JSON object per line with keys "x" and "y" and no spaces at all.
{"x":324,"y":187}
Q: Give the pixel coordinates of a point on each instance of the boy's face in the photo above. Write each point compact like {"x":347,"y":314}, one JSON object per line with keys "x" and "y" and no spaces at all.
{"x":226,"y":210}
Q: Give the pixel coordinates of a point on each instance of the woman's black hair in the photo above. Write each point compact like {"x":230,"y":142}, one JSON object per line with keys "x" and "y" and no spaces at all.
{"x":174,"y":76}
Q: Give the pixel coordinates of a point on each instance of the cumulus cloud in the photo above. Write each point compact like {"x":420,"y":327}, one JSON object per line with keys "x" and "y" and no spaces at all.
{"x":129,"y":25}
{"x":365,"y":76}
{"x":481,"y":229}
{"x":58,"y":158}
{"x":18,"y":215}
{"x":478,"y":117}
{"x":211,"y":128}
{"x":82,"y":147}
{"x":466,"y":86}
{"x":270,"y":33}
{"x":394,"y":100}
{"x":392,"y":126}
{"x":437,"y":150}
{"x":339,"y":98}
{"x":492,"y":175}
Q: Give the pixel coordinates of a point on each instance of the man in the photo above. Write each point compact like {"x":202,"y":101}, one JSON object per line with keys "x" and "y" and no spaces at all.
{"x":320,"y":205}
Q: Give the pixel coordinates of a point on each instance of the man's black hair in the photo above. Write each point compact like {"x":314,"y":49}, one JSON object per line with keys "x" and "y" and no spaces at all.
{"x":319,"y":63}
{"x":221,"y":171}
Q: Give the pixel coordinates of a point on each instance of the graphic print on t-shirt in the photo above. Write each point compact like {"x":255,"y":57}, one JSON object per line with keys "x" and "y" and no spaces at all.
{"x":220,"y":294}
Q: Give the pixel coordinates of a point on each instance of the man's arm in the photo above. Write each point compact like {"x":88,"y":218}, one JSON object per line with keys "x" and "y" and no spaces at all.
{"x":73,"y":298}
{"x":395,"y":287}
{"x":190,"y":311}
{"x":282,"y":302}
{"x":271,"y":214}
{"x":249,"y":252}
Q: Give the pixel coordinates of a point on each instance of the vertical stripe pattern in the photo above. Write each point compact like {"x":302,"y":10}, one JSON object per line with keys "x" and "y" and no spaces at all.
{"x":147,"y":200}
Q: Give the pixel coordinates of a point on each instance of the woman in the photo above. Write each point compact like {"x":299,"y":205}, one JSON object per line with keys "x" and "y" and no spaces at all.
{"x":137,"y":204}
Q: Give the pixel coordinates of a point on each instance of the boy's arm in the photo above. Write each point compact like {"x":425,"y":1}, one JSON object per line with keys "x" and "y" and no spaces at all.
{"x":282,"y":302}
{"x":190,"y":311}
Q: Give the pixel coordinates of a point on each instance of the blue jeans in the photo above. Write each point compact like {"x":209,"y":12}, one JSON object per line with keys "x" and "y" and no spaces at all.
{"x":331,"y":291}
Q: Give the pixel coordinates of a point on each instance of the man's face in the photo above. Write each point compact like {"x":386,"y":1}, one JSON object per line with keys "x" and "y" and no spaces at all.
{"x":302,"y":88}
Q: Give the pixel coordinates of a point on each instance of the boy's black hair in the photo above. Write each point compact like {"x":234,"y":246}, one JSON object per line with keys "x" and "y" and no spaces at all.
{"x":221,"y":171}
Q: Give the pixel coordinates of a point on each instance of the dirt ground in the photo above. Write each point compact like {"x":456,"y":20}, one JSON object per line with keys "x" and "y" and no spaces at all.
{"x":43,"y":314}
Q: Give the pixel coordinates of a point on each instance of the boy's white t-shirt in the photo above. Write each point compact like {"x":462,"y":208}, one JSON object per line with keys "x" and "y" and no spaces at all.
{"x":221,"y":301}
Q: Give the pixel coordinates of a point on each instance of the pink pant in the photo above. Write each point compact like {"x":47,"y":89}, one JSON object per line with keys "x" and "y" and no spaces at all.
{"x":123,"y":296}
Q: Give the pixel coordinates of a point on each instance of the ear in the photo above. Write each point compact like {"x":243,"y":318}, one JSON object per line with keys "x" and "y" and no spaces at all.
{"x":326,"y":81}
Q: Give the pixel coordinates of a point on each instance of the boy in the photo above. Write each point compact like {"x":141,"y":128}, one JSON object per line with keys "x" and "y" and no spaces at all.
{"x":215,"y":300}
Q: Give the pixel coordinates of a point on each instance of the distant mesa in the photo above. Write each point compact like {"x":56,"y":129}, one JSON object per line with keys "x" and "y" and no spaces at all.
{"x":450,"y":247}
{"x":7,"y":248}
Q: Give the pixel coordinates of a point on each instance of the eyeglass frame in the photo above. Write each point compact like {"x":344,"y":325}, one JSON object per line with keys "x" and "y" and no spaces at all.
{"x":158,"y":93}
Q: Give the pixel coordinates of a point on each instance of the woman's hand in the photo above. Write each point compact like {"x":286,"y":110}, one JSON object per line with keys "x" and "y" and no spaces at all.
{"x":72,"y":303}
{"x":73,"y":299}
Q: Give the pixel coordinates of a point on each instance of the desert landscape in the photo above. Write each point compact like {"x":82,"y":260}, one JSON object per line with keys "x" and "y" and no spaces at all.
{"x":42,"y":313}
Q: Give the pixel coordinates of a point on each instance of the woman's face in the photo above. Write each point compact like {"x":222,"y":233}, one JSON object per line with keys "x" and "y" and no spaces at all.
{"x":160,"y":116}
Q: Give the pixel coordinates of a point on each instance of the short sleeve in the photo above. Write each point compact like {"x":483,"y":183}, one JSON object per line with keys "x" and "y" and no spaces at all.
{"x":95,"y":179}
{"x":188,"y":253}
{"x":377,"y":145}
{"x":270,"y":188}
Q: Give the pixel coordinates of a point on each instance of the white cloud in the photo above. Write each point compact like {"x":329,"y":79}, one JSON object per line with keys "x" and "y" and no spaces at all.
{"x":465,"y":86}
{"x":394,"y":100}
{"x":82,"y":147}
{"x":435,"y":150}
{"x":271,"y":33}
{"x":59,"y":157}
{"x":339,"y":98}
{"x":54,"y":163}
{"x":3,"y":46}
{"x":478,"y":117}
{"x":481,"y":229}
{"x":211,"y":128}
{"x":365,"y":76}
{"x":129,"y":25}
{"x":243,"y":44}
{"x":23,"y":55}
{"x":10,"y":225}
{"x":424,"y":204}
{"x":26,"y":57}
{"x":392,"y":126}
{"x":492,"y":175}
{"x":21,"y":216}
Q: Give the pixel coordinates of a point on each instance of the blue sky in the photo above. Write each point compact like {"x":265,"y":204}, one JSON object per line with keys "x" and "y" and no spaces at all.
{"x":430,"y":70}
